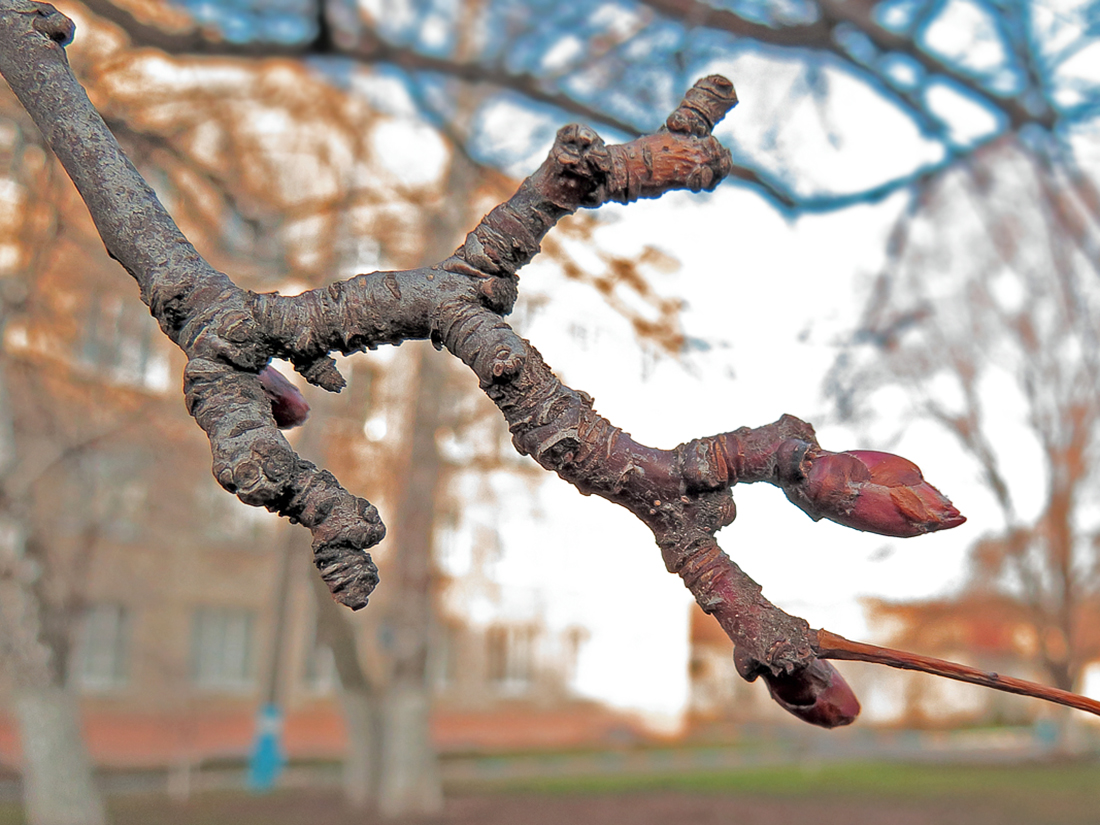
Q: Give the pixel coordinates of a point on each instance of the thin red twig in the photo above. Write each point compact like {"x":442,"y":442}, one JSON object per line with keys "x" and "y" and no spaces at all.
{"x":832,"y":646}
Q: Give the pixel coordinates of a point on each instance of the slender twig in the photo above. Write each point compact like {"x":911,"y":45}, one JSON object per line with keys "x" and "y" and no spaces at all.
{"x":831,"y":646}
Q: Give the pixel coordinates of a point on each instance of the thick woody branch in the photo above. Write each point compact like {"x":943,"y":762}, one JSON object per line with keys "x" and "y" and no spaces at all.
{"x":683,"y":494}
{"x":559,"y":428}
{"x":229,"y":335}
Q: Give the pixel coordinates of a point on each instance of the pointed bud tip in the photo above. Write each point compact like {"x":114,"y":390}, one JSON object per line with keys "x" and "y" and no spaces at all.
{"x":879,"y":493}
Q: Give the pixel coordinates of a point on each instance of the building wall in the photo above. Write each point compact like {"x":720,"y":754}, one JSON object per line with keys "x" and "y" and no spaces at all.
{"x":146,"y":702}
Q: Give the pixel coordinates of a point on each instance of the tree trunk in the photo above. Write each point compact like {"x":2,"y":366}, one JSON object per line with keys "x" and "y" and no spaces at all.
{"x":362,"y":765}
{"x":359,"y":700}
{"x":58,"y":788}
{"x":410,"y":781}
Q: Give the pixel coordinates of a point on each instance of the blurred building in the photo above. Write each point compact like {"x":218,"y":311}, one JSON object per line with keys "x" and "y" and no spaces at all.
{"x":978,"y":628}
{"x":175,"y":611}
{"x":175,"y":643}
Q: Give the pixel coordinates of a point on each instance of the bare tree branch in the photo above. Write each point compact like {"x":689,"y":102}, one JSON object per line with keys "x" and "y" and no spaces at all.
{"x":365,"y":49}
{"x":369,"y":50}
{"x":820,"y":35}
{"x":832,"y":646}
{"x":683,"y":495}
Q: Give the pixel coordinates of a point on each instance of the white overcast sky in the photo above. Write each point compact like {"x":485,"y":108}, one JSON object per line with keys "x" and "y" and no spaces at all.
{"x":778,"y":295}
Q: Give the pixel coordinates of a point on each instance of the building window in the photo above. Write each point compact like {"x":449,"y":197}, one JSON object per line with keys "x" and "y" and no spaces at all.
{"x":116,"y":489}
{"x":121,"y":341}
{"x":319,"y":674}
{"x":511,"y":657}
{"x":102,"y":652}
{"x":222,"y":648}
{"x":443,"y":656}
{"x":227,"y":519}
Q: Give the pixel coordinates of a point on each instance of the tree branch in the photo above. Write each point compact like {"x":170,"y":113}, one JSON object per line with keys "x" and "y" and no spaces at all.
{"x":369,"y":50}
{"x":831,"y":646}
{"x":820,"y":35}
{"x":365,"y":49}
{"x":199,"y":309}
{"x":683,"y":495}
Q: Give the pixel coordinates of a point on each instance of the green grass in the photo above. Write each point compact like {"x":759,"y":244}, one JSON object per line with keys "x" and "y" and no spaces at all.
{"x":1033,"y":794}
{"x":852,"y":779}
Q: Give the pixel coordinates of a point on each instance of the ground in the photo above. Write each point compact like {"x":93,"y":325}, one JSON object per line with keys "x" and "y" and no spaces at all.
{"x":853,"y":794}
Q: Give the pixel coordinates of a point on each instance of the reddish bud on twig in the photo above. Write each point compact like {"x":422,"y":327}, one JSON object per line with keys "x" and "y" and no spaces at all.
{"x":877,"y":492}
{"x":816,"y":693}
{"x":288,"y":405}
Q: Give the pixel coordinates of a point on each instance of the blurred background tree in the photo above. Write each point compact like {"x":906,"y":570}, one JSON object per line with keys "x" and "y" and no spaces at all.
{"x":985,"y":318}
{"x":300,"y":141}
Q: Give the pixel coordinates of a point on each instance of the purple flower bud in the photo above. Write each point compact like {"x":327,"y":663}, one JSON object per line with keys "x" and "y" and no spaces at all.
{"x":288,"y":405}
{"x":816,"y":693}
{"x":877,"y":492}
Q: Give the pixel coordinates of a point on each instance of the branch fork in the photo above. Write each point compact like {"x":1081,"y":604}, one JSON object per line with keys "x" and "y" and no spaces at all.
{"x":683,"y":494}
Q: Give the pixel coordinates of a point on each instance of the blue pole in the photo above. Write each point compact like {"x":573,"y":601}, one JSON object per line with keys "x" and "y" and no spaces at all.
{"x":267,"y":758}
